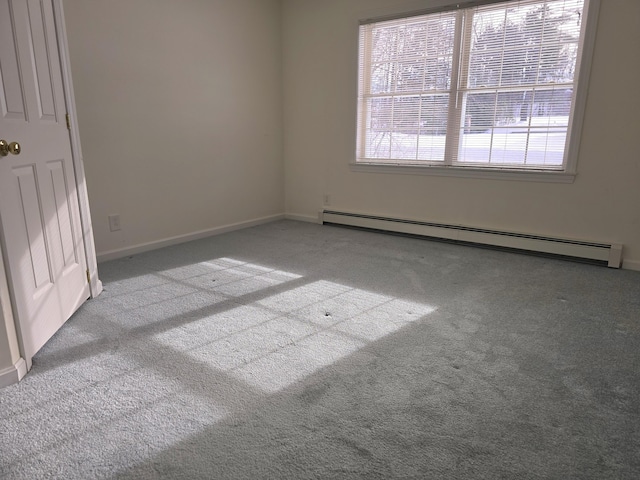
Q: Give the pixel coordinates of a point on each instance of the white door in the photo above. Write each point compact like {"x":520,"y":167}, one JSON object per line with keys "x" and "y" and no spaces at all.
{"x":39,"y":213}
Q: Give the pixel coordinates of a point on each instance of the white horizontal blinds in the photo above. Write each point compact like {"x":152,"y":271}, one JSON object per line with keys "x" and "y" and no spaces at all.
{"x":519,"y":86}
{"x":488,"y":86}
{"x":405,"y":83}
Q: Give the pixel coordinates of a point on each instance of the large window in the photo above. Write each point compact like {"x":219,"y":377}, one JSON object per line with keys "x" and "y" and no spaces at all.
{"x":490,"y":87}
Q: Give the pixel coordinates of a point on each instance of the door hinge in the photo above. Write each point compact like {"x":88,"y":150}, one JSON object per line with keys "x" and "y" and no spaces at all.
{"x":88,"y":276}
{"x":68,"y":121}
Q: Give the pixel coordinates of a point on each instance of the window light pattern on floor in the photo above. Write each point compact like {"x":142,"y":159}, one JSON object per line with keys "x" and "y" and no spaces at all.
{"x":284,"y":337}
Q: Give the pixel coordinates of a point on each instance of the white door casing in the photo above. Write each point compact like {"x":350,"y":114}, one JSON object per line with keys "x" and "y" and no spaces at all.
{"x":43,"y":237}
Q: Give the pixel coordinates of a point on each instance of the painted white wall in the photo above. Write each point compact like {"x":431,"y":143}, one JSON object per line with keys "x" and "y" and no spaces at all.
{"x":320,"y":70}
{"x":179,"y":104}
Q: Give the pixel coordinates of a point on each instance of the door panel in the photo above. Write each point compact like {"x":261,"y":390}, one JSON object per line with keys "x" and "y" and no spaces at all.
{"x":64,"y":215}
{"x":29,"y":209}
{"x":40,"y":61}
{"x":11,"y":97}
{"x":39,"y":209}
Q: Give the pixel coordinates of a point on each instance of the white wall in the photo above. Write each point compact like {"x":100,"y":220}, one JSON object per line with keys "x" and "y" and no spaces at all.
{"x":163,"y":90}
{"x":179,"y":106}
{"x":320,"y":55}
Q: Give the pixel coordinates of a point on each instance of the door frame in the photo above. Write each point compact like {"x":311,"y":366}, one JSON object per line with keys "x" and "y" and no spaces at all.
{"x":9,"y":323}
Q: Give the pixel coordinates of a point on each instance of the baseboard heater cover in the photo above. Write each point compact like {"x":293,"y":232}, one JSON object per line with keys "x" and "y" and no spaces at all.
{"x":604,"y":253}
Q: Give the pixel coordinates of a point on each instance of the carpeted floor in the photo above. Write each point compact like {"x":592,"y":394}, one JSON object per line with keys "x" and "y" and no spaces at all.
{"x":298,"y":351}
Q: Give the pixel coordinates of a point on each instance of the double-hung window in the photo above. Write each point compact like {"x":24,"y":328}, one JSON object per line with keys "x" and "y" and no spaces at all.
{"x":489,"y":87}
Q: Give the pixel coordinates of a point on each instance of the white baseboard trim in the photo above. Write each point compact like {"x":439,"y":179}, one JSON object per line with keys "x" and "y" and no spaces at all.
{"x":631,"y":265}
{"x":13,"y":374}
{"x":145,"y":247}
{"x":303,"y":218}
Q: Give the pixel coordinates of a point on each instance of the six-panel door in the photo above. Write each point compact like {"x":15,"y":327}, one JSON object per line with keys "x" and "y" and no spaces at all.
{"x":39,"y":210}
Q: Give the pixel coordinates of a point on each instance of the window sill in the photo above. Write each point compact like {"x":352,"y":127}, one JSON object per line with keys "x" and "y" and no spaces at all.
{"x":467,"y":172}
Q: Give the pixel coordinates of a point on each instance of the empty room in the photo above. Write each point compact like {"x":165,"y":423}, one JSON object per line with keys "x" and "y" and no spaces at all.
{"x":304,"y":239}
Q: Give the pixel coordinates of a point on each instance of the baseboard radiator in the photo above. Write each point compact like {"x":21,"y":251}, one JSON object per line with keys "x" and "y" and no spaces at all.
{"x":594,"y":252}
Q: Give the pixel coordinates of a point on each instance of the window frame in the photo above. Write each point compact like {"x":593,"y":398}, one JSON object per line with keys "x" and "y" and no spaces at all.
{"x":576,"y":118}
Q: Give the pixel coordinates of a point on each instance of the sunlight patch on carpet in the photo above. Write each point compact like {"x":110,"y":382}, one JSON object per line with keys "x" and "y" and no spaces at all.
{"x":282,"y":338}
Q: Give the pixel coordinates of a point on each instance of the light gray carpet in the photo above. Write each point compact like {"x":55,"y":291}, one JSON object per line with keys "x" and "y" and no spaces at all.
{"x":294,"y":351}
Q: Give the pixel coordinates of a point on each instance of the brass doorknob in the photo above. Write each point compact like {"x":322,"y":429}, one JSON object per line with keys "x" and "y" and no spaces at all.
{"x":7,"y":148}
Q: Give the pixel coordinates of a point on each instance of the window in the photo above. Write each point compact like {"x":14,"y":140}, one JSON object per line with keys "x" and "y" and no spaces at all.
{"x":490,"y":87}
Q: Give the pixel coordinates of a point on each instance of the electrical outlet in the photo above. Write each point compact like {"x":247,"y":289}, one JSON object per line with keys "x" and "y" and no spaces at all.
{"x":114,"y":223}
{"x":327,"y":199}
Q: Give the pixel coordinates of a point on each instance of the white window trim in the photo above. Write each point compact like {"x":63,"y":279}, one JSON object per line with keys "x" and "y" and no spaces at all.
{"x":568,"y":175}
{"x":551,"y":176}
